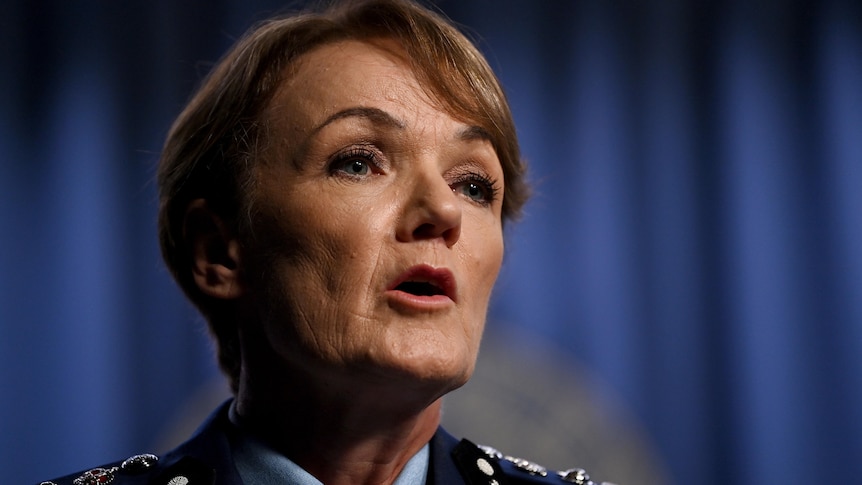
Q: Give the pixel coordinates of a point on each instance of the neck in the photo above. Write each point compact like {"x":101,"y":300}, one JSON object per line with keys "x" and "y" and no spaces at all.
{"x":363,"y":434}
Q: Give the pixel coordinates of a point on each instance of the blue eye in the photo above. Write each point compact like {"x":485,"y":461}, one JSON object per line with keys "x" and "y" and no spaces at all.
{"x":477,"y":187}
{"x":355,"y":162}
{"x":355,"y":167}
{"x":473,"y":190}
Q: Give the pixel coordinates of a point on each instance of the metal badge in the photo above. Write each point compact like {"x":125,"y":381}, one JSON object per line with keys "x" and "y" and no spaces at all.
{"x":528,"y":466}
{"x":96,"y":476}
{"x":491,"y":452}
{"x":139,"y":463}
{"x":179,"y":480}
{"x":578,"y":476}
{"x":485,"y":467}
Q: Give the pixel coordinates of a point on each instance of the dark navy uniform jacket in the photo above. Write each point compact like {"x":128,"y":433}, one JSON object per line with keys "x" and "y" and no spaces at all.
{"x":205,"y":459}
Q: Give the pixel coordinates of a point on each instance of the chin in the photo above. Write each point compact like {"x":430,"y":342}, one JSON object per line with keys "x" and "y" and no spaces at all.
{"x":437,"y":373}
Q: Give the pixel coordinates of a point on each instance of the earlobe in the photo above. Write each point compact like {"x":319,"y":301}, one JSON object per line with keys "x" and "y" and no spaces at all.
{"x":215,"y":252}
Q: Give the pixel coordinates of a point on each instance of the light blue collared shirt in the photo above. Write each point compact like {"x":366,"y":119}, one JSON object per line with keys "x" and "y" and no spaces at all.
{"x":258,"y":464}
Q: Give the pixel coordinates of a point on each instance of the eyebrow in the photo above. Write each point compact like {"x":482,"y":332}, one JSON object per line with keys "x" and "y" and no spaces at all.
{"x":380,"y":117}
{"x":474,"y":133}
{"x":375,"y":115}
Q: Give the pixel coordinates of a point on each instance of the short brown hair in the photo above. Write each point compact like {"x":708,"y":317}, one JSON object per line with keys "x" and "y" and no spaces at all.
{"x":212,"y":146}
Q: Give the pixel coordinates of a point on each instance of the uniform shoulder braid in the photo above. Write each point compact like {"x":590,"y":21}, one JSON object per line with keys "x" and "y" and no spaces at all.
{"x":483,"y":465}
{"x":141,"y":469}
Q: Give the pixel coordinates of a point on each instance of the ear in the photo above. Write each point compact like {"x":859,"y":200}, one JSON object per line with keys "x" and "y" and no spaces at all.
{"x":215,"y":252}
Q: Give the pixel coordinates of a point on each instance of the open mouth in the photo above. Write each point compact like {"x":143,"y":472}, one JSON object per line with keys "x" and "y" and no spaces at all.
{"x":420,"y":288}
{"x":425,"y":281}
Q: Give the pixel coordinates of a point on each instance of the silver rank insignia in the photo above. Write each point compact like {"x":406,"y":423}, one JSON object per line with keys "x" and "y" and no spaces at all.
{"x":96,"y":476}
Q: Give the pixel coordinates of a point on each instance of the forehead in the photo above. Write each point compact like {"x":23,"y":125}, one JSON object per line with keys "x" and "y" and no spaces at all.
{"x":348,"y":55}
{"x":344,"y":74}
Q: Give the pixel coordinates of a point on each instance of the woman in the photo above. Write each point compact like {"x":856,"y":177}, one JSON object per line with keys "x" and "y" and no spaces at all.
{"x":333,"y":200}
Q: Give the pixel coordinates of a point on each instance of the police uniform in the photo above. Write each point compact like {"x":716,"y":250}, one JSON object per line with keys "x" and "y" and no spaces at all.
{"x":206,"y":459}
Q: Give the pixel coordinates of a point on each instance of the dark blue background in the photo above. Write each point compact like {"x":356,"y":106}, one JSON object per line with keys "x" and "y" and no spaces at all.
{"x":695,"y":241}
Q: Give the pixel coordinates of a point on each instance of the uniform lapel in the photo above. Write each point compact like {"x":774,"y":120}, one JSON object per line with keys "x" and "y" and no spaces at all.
{"x":442,"y":469}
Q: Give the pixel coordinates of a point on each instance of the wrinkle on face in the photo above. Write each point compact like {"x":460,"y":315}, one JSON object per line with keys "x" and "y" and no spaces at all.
{"x":331,"y":241}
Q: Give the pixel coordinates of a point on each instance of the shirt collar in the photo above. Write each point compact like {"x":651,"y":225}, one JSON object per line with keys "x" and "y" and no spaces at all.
{"x":258,"y":464}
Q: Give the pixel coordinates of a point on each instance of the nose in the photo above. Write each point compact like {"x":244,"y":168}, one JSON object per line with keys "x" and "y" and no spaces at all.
{"x":432,"y":211}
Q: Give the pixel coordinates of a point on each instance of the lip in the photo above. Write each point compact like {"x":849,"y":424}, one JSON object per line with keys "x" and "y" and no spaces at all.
{"x":441,"y":279}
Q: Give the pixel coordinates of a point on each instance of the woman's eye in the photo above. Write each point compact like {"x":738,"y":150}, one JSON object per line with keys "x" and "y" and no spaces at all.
{"x":477,"y":188}
{"x":355,"y":167}
{"x":473,"y":190}
{"x":357,"y":162}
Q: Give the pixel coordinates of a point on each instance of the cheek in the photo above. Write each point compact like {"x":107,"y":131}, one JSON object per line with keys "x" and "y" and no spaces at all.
{"x":483,"y":262}
{"x":320,"y":281}
{"x":317,"y":238}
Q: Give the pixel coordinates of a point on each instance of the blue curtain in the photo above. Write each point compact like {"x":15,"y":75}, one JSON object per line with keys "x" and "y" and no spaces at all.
{"x":695,"y":240}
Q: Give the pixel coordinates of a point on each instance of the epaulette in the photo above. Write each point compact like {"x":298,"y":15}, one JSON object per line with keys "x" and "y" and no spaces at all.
{"x":139,"y":470}
{"x":483,"y":465}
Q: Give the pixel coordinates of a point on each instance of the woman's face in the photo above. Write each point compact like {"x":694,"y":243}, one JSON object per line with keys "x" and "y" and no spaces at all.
{"x":379,"y":216}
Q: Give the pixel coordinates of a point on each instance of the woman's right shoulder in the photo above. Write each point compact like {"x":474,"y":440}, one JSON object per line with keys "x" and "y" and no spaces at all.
{"x":143,"y":469}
